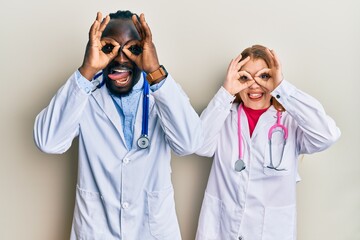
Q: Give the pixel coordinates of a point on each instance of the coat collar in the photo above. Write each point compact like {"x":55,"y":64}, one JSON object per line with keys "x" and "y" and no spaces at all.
{"x":267,"y":118}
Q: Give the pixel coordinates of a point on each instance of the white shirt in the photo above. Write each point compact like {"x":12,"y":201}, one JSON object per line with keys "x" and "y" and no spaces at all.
{"x":258,"y":203}
{"x":120,"y":194}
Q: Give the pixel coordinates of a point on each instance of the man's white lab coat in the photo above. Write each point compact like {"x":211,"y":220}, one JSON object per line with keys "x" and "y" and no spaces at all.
{"x":120,"y":194}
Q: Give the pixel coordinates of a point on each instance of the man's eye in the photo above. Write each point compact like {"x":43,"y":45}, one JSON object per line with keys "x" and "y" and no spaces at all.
{"x":265,"y":76}
{"x":135,"y":49}
{"x":107,"y":48}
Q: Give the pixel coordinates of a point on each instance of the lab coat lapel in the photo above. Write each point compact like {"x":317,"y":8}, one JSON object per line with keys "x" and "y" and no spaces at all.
{"x":106,"y":103}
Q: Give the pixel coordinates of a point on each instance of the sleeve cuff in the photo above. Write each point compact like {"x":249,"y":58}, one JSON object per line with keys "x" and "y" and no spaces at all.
{"x":84,"y":84}
{"x":156,"y":86}
{"x":283,"y":91}
{"x":225,"y":96}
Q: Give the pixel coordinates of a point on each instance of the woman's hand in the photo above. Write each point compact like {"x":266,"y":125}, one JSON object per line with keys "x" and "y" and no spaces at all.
{"x":237,"y":80}
{"x":95,"y":59}
{"x":270,"y":78}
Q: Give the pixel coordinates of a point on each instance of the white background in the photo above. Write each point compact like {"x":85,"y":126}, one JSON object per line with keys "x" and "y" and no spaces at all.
{"x":43,"y":42}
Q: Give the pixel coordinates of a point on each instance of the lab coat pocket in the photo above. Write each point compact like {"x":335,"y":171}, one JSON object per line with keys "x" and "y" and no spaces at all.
{"x":276,"y":162}
{"x":89,"y":215}
{"x":210,"y":218}
{"x":162,"y":215}
{"x":279,"y":223}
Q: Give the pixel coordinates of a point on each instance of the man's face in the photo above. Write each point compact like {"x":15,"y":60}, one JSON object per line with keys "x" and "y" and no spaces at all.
{"x":121,"y":74}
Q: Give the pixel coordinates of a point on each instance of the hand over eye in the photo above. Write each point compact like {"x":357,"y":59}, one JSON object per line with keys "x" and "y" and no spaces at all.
{"x":107,"y":48}
{"x":135,"y":49}
{"x":237,"y":80}
{"x":264,"y":76}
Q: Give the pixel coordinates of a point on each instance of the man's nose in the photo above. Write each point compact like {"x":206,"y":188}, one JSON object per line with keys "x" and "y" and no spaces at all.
{"x":121,"y":57}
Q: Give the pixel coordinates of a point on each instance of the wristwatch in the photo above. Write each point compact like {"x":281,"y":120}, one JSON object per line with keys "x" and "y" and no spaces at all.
{"x":154,"y":76}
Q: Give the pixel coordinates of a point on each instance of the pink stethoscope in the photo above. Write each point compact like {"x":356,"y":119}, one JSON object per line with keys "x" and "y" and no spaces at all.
{"x":240,"y":164}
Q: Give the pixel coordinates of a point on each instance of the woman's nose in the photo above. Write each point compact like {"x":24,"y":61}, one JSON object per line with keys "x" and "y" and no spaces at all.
{"x":254,"y":85}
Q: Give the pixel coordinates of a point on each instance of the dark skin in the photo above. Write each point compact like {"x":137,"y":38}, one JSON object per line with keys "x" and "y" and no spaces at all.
{"x":121,"y":67}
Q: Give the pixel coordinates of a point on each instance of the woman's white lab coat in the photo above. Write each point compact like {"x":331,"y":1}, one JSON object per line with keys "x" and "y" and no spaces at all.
{"x":258,"y":203}
{"x":120,"y":194}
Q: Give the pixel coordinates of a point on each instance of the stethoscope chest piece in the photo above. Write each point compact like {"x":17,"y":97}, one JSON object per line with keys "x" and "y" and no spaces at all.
{"x":143,"y":142}
{"x":239,"y":165}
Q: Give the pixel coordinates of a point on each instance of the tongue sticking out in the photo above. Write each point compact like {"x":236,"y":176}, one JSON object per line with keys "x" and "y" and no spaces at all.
{"x":119,"y":76}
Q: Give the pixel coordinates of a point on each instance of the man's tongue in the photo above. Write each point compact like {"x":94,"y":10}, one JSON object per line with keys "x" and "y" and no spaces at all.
{"x":119,"y":76}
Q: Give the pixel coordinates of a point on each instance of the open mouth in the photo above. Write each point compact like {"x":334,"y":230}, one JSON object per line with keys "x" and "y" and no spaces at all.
{"x":255,"y":96}
{"x":121,"y":77}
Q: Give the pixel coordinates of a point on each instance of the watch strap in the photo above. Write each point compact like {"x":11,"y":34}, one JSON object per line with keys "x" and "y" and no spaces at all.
{"x":159,"y":73}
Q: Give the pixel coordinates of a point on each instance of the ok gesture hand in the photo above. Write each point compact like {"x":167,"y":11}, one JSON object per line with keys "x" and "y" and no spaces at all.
{"x":270,"y":78}
{"x":95,"y":59}
{"x":147,"y":59}
{"x":237,"y":80}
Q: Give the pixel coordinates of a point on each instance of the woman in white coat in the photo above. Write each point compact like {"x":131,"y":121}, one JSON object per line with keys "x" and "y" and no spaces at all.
{"x":257,"y":125}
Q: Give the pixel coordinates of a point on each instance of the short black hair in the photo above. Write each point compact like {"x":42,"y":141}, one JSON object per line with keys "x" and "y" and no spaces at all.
{"x":121,"y":14}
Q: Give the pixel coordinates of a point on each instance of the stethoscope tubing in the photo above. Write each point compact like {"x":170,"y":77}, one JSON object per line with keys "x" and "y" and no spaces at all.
{"x":145,"y":113}
{"x":144,"y":143}
{"x":273,"y":129}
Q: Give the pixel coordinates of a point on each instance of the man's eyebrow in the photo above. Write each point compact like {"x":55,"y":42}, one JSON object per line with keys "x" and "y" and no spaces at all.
{"x":117,"y":41}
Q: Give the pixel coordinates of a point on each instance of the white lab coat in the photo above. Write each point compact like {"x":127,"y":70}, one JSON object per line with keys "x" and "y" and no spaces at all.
{"x":258,"y":203}
{"x":121,"y":194}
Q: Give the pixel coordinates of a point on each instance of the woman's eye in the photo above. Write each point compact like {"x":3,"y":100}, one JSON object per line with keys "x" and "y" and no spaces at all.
{"x":244,"y":78}
{"x":107,"y":48}
{"x":265,"y":76}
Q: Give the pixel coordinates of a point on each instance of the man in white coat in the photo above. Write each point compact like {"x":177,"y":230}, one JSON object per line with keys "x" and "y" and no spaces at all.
{"x":124,"y":188}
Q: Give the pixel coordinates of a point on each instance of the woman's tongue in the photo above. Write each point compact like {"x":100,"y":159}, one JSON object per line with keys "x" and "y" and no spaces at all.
{"x":121,"y":78}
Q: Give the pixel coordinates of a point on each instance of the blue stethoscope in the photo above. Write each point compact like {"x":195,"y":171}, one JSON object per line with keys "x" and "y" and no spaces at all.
{"x":240,"y":164}
{"x":143,"y":142}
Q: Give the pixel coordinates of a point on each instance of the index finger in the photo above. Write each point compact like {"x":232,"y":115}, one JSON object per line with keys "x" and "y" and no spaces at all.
{"x":264,"y":70}
{"x":132,"y":47}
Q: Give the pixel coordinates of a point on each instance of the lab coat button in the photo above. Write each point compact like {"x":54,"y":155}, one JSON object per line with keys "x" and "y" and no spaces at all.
{"x":126,"y":160}
{"x":241,"y":238}
{"x":277,"y":96}
{"x":125,"y":205}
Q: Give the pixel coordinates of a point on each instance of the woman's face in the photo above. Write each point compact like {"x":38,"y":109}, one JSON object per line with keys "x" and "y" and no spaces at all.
{"x":255,"y":97}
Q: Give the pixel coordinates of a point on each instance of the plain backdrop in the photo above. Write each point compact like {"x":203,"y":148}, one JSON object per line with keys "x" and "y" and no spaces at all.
{"x":43,"y":42}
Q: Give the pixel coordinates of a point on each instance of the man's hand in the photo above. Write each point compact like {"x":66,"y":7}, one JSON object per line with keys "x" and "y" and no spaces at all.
{"x":146,"y":59}
{"x":95,"y":59}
